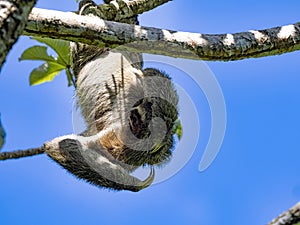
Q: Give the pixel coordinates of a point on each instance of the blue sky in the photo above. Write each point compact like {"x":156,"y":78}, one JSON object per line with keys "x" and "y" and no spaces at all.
{"x":254,"y":177}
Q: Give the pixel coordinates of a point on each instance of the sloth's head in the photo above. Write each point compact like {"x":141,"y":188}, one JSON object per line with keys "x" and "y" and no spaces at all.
{"x":150,"y":115}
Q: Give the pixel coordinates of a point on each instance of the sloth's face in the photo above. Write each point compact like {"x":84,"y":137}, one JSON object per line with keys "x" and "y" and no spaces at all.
{"x":151,"y":121}
{"x":146,"y":134}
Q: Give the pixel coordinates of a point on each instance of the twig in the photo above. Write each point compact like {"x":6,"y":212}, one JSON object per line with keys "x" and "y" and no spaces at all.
{"x":21,"y":153}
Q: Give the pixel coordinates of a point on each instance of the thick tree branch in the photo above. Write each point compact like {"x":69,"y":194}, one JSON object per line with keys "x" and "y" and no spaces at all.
{"x":290,"y":217}
{"x":94,"y":31}
{"x":21,"y":153}
{"x":13,"y":17}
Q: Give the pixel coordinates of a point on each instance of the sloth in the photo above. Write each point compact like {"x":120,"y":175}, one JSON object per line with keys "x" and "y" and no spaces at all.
{"x":130,"y":115}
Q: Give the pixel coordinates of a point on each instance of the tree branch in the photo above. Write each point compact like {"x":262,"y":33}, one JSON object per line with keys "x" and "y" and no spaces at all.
{"x":224,"y":47}
{"x":290,"y":217}
{"x":118,"y":10}
{"x":21,"y":153}
{"x":13,"y":17}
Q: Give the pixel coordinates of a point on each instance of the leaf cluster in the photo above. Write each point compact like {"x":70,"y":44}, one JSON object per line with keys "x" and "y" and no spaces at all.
{"x":52,"y":65}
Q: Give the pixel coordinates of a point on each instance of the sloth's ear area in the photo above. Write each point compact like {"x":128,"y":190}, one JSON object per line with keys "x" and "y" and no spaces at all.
{"x":93,"y":165}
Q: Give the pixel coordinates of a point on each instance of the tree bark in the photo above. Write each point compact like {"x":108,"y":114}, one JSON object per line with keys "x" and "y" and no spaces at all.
{"x":223,"y":47}
{"x":21,"y":153}
{"x":118,"y":10}
{"x":290,"y":217}
{"x":13,"y":17}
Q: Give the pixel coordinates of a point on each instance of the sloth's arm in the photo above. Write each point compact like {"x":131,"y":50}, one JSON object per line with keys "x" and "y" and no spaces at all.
{"x":88,"y":160}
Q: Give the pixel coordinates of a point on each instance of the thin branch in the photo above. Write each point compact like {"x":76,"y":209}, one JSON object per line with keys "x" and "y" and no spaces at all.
{"x":224,"y":47}
{"x":21,"y":153}
{"x":290,"y":217}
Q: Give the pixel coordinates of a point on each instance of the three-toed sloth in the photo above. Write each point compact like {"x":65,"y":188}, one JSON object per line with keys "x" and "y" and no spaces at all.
{"x":130,"y":114}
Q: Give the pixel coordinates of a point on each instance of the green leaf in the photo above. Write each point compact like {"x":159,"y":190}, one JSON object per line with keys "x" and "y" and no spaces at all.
{"x":36,"y":53}
{"x":178,"y":128}
{"x":52,"y":65}
{"x":61,"y":47}
{"x":45,"y":73}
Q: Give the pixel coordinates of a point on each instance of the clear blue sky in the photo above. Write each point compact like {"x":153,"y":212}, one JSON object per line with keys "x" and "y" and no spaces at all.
{"x":254,"y":178}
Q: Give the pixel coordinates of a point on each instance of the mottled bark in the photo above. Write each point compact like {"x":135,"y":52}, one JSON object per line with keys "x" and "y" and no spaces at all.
{"x":13,"y":17}
{"x":290,"y":217}
{"x":21,"y":153}
{"x":120,"y":10}
{"x":224,"y":47}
